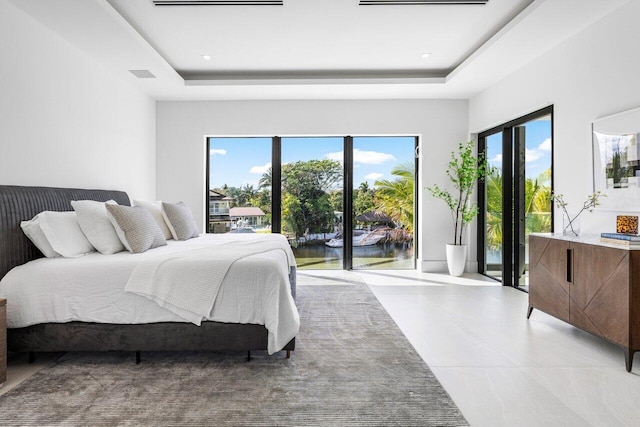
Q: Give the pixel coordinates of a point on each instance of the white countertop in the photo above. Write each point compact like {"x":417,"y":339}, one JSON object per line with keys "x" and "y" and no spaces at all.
{"x":590,"y":239}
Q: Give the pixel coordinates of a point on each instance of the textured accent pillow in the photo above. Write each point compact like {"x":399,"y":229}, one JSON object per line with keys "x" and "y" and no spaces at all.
{"x":155,"y":208}
{"x":34,"y":232}
{"x":180,"y":220}
{"x":62,"y":231}
{"x":135,"y":227}
{"x":95,"y":224}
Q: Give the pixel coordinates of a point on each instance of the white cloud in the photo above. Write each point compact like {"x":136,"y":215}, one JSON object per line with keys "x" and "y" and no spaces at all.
{"x":364,"y":157}
{"x":374,"y":176}
{"x":371,"y":157}
{"x":533,"y":155}
{"x":218,"y":151}
{"x":338,"y":155}
{"x":546,"y":145}
{"x":530,"y":155}
{"x":260,"y":169}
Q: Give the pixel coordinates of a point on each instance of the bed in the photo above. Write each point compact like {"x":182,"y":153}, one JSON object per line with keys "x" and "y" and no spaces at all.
{"x":161,"y":331}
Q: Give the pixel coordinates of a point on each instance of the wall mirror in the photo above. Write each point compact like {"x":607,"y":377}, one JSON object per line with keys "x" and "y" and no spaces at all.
{"x":616,"y":160}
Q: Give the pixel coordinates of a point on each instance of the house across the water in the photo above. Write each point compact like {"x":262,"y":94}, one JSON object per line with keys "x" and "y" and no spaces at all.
{"x":248,"y":216}
{"x":219,"y":218}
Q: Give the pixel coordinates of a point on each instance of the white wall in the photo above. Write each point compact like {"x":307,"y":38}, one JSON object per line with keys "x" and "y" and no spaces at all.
{"x":594,"y":74}
{"x":182,"y":126}
{"x":64,"y":119}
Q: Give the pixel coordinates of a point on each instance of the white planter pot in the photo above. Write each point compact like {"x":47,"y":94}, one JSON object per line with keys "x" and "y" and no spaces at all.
{"x":456,"y":259}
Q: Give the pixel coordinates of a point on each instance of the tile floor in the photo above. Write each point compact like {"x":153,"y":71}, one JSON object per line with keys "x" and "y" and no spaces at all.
{"x":500,"y":368}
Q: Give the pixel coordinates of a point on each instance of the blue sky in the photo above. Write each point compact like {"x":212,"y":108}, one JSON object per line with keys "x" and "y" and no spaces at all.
{"x":538,"y":147}
{"x":240,"y":161}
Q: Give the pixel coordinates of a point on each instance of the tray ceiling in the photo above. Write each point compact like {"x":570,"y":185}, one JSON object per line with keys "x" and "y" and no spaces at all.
{"x":309,"y":49}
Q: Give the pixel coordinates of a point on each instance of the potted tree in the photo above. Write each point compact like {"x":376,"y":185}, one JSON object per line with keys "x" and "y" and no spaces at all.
{"x":464,"y":171}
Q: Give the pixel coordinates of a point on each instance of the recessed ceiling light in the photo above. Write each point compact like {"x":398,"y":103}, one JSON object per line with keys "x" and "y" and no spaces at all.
{"x":426,"y":55}
{"x":206,"y":57}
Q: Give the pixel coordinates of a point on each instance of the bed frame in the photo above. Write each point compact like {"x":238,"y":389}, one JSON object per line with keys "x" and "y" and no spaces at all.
{"x":19,"y":203}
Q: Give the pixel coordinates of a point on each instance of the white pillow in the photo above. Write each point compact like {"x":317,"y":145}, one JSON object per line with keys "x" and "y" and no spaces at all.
{"x":136,"y":228}
{"x":180,"y":220}
{"x":34,"y":232}
{"x":95,"y":224}
{"x":155,"y":208}
{"x":63,"y":233}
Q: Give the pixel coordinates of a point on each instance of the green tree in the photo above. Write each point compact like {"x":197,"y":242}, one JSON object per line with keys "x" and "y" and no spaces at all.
{"x":291,"y":211}
{"x":266,"y":179}
{"x":305,"y":195}
{"x":494,"y":209}
{"x":335,"y":198}
{"x":537,"y":206}
{"x":262,"y":199}
{"x":246,"y":194}
{"x":313,"y":175}
{"x":395,"y":198}
{"x":363,"y":199}
{"x":464,"y":171}
{"x":232,"y":192}
{"x":241,"y":196}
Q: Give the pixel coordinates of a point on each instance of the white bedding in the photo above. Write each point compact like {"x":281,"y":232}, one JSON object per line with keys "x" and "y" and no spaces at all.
{"x":92,"y":289}
{"x":187,"y":283}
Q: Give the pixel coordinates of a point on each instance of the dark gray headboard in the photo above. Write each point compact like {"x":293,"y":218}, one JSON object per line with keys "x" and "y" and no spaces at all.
{"x":23,"y":203}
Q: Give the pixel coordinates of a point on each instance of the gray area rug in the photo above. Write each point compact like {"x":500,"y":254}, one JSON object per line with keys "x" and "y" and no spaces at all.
{"x":352,"y":367}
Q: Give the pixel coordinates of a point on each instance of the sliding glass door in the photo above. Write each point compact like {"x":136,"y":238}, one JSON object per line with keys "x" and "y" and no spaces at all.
{"x":342,"y":202}
{"x":515,"y":197}
{"x":312,"y":180}
{"x":383,"y":208}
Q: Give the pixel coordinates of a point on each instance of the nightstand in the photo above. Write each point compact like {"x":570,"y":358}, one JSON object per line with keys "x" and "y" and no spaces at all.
{"x":3,"y":340}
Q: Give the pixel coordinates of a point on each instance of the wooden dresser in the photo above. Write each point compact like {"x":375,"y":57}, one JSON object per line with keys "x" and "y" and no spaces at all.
{"x":592,"y":285}
{"x":3,"y":340}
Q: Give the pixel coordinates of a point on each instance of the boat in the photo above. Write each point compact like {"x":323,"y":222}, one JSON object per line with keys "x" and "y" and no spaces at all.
{"x":366,"y":239}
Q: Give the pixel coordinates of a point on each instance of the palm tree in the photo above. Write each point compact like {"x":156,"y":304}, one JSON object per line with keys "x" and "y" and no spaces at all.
{"x":539,"y":202}
{"x":245,"y":195}
{"x":537,"y":206}
{"x":494,"y":209}
{"x":395,"y":198}
{"x":265,"y":180}
{"x":363,"y":199}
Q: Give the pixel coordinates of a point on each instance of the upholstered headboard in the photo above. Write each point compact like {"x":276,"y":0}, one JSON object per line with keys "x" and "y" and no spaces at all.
{"x":23,"y":203}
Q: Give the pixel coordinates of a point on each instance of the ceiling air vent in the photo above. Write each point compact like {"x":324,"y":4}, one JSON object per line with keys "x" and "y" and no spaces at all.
{"x":142,"y":74}
{"x":217,"y":2}
{"x":417,"y":2}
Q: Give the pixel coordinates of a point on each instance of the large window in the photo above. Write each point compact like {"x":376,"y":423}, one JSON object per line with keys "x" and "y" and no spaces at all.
{"x":239,"y":185}
{"x":342,"y":202}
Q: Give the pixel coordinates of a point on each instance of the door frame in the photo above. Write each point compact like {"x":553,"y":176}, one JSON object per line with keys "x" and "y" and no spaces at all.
{"x":513,"y":181}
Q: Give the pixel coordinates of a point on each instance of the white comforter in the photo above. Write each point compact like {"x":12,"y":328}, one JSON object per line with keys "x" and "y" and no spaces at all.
{"x":92,"y":289}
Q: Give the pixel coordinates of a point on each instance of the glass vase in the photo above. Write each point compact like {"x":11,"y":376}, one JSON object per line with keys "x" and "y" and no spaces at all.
{"x":570,"y":225}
